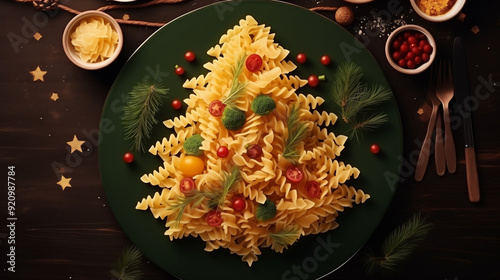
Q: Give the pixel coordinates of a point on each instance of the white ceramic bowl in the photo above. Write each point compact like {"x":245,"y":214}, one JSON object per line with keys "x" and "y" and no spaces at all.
{"x":69,"y":49}
{"x":457,"y":7}
{"x":421,"y":67}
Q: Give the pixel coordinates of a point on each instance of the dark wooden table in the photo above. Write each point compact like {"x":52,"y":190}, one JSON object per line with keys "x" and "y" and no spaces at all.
{"x":72,"y":234}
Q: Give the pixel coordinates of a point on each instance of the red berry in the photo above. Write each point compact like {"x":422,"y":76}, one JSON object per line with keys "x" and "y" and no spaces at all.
{"x":179,"y":70}
{"x":325,"y":60}
{"x":418,"y":59}
{"x":128,"y":157}
{"x":407,"y":34}
{"x":190,"y":56}
{"x":301,"y":58}
{"x":176,"y":104}
{"x":412,"y":40}
{"x":404,"y":48}
{"x":313,"y":80}
{"x":222,"y":152}
{"x":239,"y":204}
{"x":402,"y":62}
{"x":396,"y":45}
{"x":428,"y":48}
{"x":410,"y":56}
{"x":396,"y":56}
{"x":375,"y":149}
{"x":425,"y":57}
{"x":410,"y":64}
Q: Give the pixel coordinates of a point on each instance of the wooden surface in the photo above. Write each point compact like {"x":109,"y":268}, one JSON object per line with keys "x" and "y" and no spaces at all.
{"x":72,"y":234}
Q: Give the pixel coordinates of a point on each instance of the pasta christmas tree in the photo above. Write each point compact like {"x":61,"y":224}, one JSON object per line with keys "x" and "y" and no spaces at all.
{"x":292,"y":206}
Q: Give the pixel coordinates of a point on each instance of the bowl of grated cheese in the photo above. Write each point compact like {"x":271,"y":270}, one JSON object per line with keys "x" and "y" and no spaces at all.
{"x":437,"y":10}
{"x":92,"y":40}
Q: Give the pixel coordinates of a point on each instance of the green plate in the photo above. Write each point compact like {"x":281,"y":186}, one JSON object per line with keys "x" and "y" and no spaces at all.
{"x":298,"y":30}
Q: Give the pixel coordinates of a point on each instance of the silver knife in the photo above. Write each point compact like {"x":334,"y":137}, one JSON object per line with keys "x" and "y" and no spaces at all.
{"x":461,"y":86}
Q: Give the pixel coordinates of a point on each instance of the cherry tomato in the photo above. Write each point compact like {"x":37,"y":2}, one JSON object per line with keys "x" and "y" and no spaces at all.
{"x":254,"y":151}
{"x":412,"y":39}
{"x":128,"y":157}
{"x":176,"y":104}
{"x":191,"y":166}
{"x":253,"y":62}
{"x":415,"y":50}
{"x":425,"y":57}
{"x":239,"y":204}
{"x":301,"y":58}
{"x":402,"y":62}
{"x":294,"y":174}
{"x":375,"y":149}
{"x":186,"y":185}
{"x":325,"y":60}
{"x":313,"y":80}
{"x":407,"y":35}
{"x":312,"y":189}
{"x":418,"y":60}
{"x":404,"y":48}
{"x":410,"y":64}
{"x":410,"y":56}
{"x":216,"y":108}
{"x":189,"y":56}
{"x":396,"y":44}
{"x":179,"y":70}
{"x":214,"y":218}
{"x":222,"y":152}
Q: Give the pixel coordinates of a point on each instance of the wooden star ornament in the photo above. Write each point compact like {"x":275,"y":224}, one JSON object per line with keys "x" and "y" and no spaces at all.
{"x":54,"y":96}
{"x":38,"y":74}
{"x":64,"y":182}
{"x":75,"y":144}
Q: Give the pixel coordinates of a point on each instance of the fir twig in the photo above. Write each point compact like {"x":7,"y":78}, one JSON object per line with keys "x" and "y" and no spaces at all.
{"x":128,"y":266}
{"x":282,"y":239}
{"x":139,"y":115}
{"x":237,"y":87}
{"x":357,"y":100}
{"x":397,"y":247}
{"x":297,"y":131}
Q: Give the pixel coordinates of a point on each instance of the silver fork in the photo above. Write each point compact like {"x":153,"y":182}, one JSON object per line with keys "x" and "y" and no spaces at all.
{"x":423,"y":157}
{"x":444,"y":91}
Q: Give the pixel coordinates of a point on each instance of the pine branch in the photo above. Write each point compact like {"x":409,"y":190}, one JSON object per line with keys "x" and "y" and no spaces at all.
{"x":284,"y":238}
{"x":237,"y":87}
{"x":297,"y":131}
{"x":357,"y":101}
{"x":139,"y":115}
{"x":397,"y":247}
{"x":128,"y":266}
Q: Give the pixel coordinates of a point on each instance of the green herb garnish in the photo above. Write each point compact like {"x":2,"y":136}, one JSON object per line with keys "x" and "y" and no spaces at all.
{"x":139,"y":115}
{"x":237,"y":86}
{"x":297,"y":131}
{"x":284,"y":238}
{"x":357,"y":100}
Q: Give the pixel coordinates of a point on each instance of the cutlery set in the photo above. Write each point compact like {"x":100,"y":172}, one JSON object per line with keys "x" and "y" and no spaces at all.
{"x":446,"y":82}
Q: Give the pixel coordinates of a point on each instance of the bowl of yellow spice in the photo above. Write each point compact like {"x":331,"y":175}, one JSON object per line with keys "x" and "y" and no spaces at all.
{"x":437,"y":10}
{"x":92,"y":40}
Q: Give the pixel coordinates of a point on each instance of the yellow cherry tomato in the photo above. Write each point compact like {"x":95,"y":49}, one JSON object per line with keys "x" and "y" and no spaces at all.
{"x":191,"y":166}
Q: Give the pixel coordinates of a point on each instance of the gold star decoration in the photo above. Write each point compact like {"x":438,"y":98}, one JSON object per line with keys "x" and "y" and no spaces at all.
{"x":38,"y":74}
{"x":64,"y":182}
{"x":75,"y":144}
{"x":126,"y":17}
{"x":37,"y":36}
{"x":54,"y":96}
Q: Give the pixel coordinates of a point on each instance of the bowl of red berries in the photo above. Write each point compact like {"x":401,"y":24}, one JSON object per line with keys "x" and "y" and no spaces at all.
{"x":410,"y":49}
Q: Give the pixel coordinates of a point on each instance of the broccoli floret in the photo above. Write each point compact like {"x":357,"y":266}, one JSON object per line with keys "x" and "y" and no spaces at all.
{"x":266,"y":211}
{"x":233,"y":118}
{"x":263,"y":105}
{"x":192,"y":145}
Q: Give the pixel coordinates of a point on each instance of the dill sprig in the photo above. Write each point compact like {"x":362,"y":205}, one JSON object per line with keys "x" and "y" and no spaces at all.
{"x":128,"y":266}
{"x":282,"y":239}
{"x":229,"y":182}
{"x":139,"y":115}
{"x":397,"y":246}
{"x":237,"y":86}
{"x":297,"y":131}
{"x":357,"y":100}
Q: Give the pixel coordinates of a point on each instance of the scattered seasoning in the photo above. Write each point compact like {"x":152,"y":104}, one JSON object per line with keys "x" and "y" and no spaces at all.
{"x":435,"y":7}
{"x":379,"y":26}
